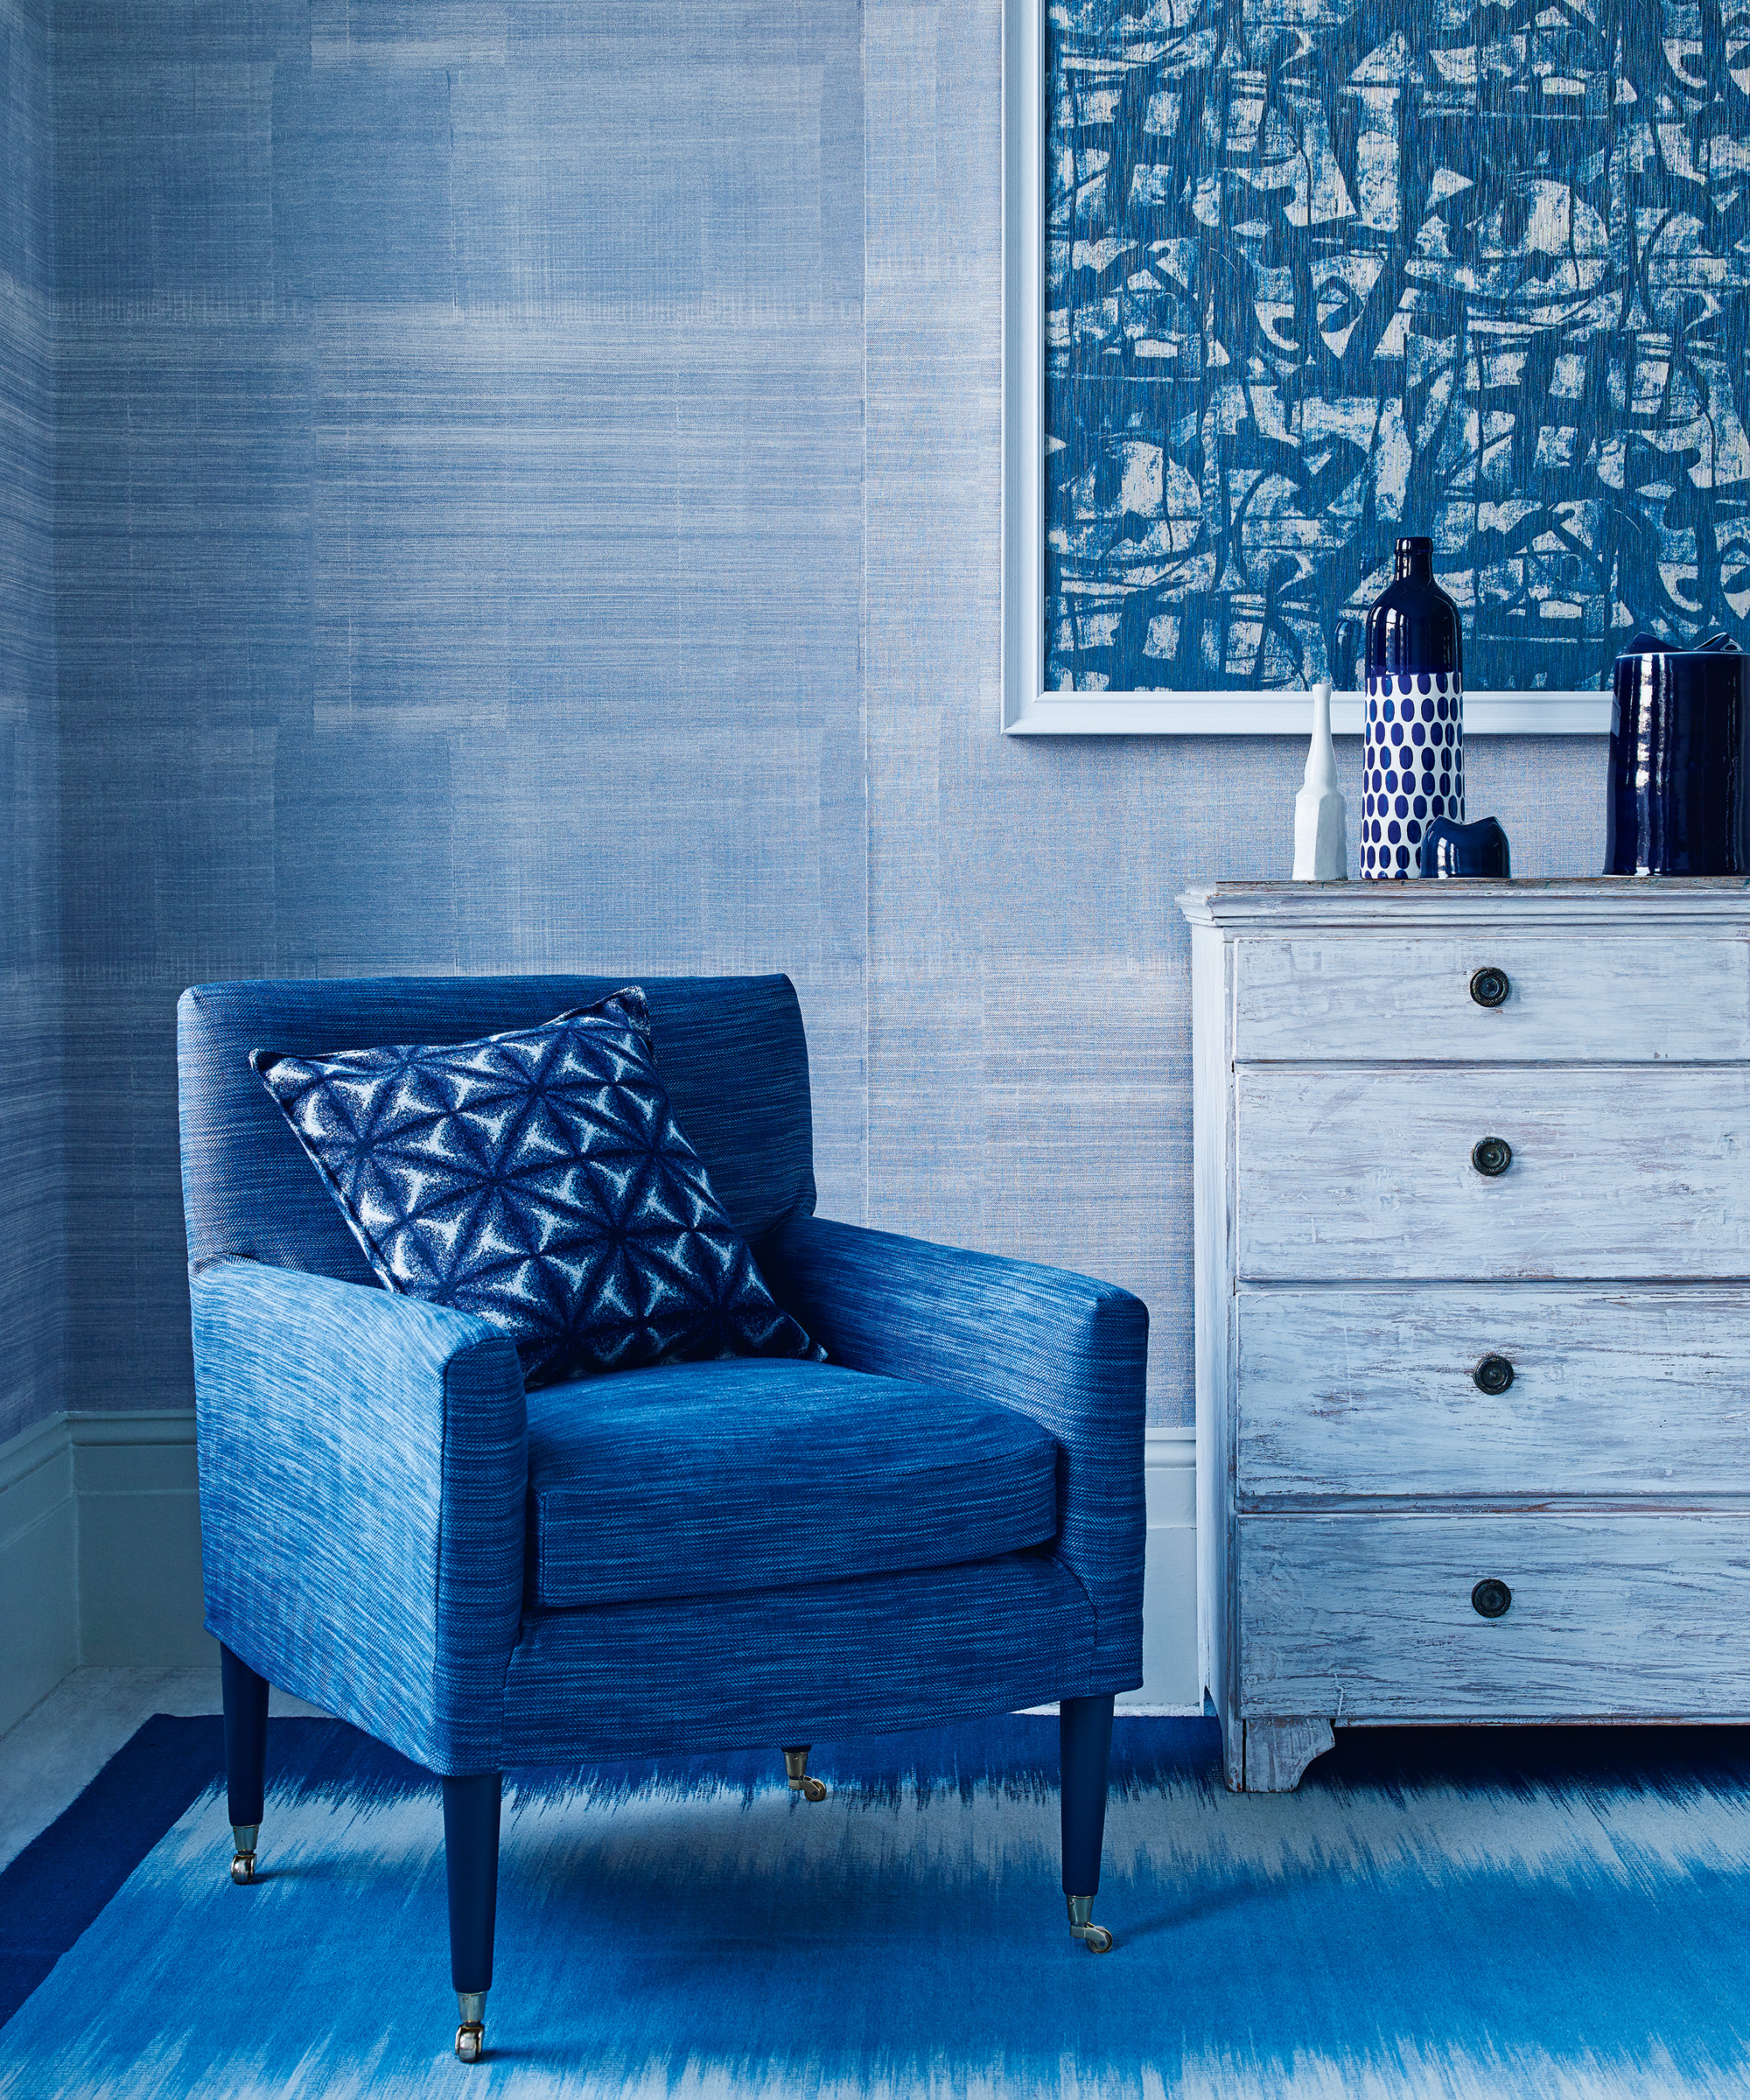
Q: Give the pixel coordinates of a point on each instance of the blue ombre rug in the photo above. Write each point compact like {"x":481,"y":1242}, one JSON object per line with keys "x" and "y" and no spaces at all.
{"x":1533,"y":1913}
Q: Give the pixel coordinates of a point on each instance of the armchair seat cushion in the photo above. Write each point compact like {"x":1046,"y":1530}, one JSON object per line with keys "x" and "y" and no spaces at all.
{"x":696,"y":1479}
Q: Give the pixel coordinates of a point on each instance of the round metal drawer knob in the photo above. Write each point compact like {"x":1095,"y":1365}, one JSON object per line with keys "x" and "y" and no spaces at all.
{"x":1491,"y":1598}
{"x":1492,"y":1375}
{"x":1489,"y":986}
{"x":1491,"y":1156}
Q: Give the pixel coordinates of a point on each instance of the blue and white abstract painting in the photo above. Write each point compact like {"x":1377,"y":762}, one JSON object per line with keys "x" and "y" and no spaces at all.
{"x":1321,"y":271}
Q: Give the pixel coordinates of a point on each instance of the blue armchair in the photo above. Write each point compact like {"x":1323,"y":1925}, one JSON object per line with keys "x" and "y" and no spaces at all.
{"x":946,"y":1520}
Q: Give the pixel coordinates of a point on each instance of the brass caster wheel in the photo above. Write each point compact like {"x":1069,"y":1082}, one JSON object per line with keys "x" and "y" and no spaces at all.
{"x":470,"y":2036}
{"x":1095,"y":1938}
{"x":796,"y":1771}
{"x":244,"y":1836}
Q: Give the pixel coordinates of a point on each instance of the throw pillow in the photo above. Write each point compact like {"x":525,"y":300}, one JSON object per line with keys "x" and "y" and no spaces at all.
{"x":538,"y":1179}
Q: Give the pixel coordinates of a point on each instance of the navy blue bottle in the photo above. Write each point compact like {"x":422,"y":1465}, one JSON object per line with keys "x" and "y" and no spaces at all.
{"x":1413,"y":769}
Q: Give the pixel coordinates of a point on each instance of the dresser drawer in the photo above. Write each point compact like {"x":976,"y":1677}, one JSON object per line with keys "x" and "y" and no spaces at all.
{"x":1360,"y":1617}
{"x":1615,"y":1171}
{"x":1566,"y":999}
{"x":1625,"y":1393}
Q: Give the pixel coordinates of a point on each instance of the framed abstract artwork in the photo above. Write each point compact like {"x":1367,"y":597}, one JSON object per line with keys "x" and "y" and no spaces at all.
{"x":1286,"y":278}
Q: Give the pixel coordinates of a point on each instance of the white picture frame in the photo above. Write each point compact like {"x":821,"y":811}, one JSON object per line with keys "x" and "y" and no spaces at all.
{"x":1029,"y":710}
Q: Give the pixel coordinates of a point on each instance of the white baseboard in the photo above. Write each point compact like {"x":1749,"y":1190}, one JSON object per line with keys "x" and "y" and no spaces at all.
{"x":1170,"y":1674}
{"x":100,"y":1555}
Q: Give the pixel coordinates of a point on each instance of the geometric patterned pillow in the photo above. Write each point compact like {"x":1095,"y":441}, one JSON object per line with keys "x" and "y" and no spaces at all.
{"x":539,"y":1179}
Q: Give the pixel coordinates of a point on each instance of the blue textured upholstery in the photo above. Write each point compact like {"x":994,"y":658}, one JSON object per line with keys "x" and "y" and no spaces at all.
{"x":1066,"y":1351}
{"x":700,"y":1478}
{"x":365,"y":1458}
{"x":730,"y":1051}
{"x":364,"y":1466}
{"x":792,"y":1666}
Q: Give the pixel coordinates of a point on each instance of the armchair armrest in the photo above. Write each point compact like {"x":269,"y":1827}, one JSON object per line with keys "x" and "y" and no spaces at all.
{"x":1062,"y":1348}
{"x":364,"y":1464}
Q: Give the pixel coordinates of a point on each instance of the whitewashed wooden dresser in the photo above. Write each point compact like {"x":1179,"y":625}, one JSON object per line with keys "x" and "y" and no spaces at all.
{"x":1472,"y":1166}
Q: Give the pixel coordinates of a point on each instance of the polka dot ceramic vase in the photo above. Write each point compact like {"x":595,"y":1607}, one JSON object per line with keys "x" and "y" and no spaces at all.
{"x":1413,"y":769}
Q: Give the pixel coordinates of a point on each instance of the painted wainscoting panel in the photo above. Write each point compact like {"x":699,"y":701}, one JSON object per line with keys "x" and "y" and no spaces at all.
{"x":138,"y":1491}
{"x":38,"y":1566}
{"x":99,"y":1548}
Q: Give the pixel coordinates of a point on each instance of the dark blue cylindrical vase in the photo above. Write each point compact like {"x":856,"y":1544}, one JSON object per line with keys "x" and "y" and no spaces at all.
{"x":1413,"y":768}
{"x":1679,"y":743}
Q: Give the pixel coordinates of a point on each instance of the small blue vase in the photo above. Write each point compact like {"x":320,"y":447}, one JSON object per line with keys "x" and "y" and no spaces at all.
{"x":1475,"y":850}
{"x":1413,"y":767}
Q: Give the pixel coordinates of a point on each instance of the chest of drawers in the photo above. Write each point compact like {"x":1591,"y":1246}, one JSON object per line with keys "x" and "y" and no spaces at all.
{"x":1473,"y":1274}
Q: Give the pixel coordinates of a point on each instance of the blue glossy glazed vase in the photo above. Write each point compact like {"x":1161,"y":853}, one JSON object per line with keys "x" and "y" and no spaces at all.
{"x":1679,"y":800}
{"x":1478,"y":850}
{"x":1413,"y":767}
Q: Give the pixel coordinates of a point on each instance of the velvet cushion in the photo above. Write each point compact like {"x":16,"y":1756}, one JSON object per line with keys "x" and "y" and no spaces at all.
{"x":537,"y":1177}
{"x":703,"y":1478}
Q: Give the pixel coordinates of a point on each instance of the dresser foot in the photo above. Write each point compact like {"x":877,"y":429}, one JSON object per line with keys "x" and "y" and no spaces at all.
{"x":1279,"y":1751}
{"x":1233,"y":1753}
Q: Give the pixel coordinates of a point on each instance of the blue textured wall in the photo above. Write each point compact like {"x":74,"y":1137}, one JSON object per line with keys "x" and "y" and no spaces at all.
{"x":460,"y":533}
{"x":528,"y":498}
{"x":31,"y":1277}
{"x":1029,"y":1000}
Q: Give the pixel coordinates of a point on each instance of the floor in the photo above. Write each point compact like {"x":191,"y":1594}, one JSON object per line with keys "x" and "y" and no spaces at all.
{"x":50,"y":1756}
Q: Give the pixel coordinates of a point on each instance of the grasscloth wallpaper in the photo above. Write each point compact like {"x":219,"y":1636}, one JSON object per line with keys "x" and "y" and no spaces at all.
{"x":31,"y":1276}
{"x":1322,"y":272}
{"x":527,"y":496}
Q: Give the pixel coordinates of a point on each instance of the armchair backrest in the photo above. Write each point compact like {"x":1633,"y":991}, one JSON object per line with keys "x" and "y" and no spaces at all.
{"x":730,"y":1051}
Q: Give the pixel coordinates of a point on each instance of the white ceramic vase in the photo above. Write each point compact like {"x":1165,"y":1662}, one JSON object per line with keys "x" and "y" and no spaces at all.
{"x":1322,"y":837}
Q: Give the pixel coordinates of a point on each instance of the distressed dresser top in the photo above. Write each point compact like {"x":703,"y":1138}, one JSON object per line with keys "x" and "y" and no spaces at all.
{"x":1287,"y":907}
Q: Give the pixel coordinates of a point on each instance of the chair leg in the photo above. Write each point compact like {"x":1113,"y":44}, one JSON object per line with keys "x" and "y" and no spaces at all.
{"x":246,"y":1758}
{"x":1085,"y":1741}
{"x":470,"y":1818}
{"x":796,"y":1771}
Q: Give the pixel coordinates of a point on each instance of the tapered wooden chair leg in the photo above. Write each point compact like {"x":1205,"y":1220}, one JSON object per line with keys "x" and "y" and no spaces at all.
{"x":1085,"y":1741}
{"x":246,"y":1758}
{"x":470,"y":1823}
